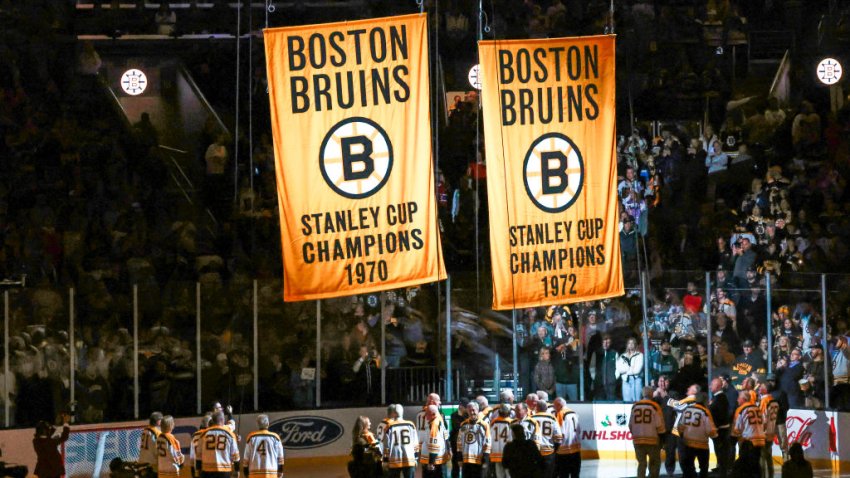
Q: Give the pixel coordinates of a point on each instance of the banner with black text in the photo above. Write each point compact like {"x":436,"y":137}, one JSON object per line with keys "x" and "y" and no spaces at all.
{"x":549,"y":129}
{"x":352,"y":140}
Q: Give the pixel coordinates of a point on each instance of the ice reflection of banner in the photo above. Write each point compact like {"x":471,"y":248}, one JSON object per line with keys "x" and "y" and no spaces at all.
{"x":88,"y":453}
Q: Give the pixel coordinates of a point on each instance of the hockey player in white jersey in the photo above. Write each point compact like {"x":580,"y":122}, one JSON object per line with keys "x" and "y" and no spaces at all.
{"x":263,"y":457}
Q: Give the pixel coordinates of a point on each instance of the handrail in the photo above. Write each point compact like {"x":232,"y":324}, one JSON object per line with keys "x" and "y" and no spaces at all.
{"x":182,"y":173}
{"x":169,"y":148}
{"x":203,"y":98}
{"x":784,"y":65}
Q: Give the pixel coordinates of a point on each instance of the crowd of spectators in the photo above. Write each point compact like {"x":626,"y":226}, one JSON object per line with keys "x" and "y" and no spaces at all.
{"x":762,"y":189}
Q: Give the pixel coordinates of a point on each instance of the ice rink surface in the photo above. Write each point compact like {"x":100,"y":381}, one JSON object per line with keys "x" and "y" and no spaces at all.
{"x":589,"y":469}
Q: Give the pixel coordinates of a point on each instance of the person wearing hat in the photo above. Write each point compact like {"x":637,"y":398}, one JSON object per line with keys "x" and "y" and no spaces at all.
{"x":747,"y":363}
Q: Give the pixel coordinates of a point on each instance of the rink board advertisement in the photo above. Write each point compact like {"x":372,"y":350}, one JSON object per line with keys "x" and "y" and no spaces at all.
{"x":323,"y":436}
{"x":352,"y":141}
{"x":549,"y":130}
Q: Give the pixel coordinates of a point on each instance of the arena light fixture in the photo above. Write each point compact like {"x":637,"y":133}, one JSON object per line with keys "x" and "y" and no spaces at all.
{"x":829,"y":71}
{"x":474,"y":76}
{"x":134,"y":82}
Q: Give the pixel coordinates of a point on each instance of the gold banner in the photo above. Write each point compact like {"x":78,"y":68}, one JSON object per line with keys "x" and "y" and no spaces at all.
{"x":549,"y":134}
{"x":351,"y":124}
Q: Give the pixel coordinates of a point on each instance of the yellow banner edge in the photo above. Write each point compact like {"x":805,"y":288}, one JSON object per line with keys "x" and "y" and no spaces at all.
{"x":365,"y":290}
{"x":343,"y":22}
{"x":621,"y":291}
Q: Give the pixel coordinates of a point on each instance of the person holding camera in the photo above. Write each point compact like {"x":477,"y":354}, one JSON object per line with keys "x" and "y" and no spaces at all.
{"x":49,"y":462}
{"x":367,"y":374}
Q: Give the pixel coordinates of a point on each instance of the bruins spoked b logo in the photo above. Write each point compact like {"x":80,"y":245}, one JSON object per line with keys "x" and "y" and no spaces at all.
{"x":356,"y":157}
{"x":553,"y":172}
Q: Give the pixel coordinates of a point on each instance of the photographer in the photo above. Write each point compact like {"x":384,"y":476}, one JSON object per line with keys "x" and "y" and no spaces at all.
{"x":367,"y":375}
{"x":48,"y":460}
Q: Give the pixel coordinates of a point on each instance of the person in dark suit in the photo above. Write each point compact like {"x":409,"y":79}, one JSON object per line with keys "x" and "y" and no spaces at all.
{"x":719,"y":409}
{"x":48,"y":460}
{"x":521,"y":456}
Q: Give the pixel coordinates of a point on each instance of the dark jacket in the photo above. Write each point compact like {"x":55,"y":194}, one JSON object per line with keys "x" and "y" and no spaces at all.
{"x":522,"y":458}
{"x":48,"y":460}
{"x":719,"y":409}
{"x":789,"y":382}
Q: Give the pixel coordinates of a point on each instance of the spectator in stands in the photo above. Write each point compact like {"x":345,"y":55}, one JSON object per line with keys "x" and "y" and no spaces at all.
{"x":789,"y":373}
{"x":840,"y":394}
{"x":544,"y":373}
{"x":603,"y":365}
{"x":165,"y":19}
{"x":215,"y":183}
{"x":630,"y":368}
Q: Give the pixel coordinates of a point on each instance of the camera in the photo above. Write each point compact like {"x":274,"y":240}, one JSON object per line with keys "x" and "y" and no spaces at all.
{"x":15,"y":471}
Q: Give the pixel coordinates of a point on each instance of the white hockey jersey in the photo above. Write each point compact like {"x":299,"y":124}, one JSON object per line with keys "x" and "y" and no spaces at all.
{"x":434,"y":450}
{"x":147,"y":446}
{"x":696,"y":426}
{"x":646,"y":422}
{"x":263,"y":454}
{"x":570,"y":432}
{"x":401,"y":444}
{"x":500,"y":433}
{"x":169,"y":456}
{"x":219,"y":450}
{"x":769,"y":411}
{"x":473,"y":440}
{"x":550,"y":433}
{"x":748,"y":424}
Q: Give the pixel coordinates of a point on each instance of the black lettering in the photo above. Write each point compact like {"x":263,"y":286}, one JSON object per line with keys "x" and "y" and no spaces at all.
{"x":324,"y":252}
{"x":363,"y":97}
{"x":306,"y":230}
{"x":299,"y":85}
{"x":573,"y":63}
{"x":317,"y":46}
{"x":321,"y":89}
{"x":548,"y":172}
{"x":525,"y":101}
{"x":557,"y":51}
{"x":574,"y":103}
{"x":600,"y":251}
{"x":307,"y":253}
{"x":541,"y":72}
{"x":511,"y":233}
{"x":342,"y":87}
{"x":523,"y":62}
{"x":378,"y":47}
{"x":591,"y":60}
{"x":549,"y":260}
{"x":508,"y":112}
{"x":514,"y":266}
{"x":381,"y":84}
{"x":544,"y":105}
{"x":356,"y":34}
{"x":418,"y":243}
{"x":349,"y":158}
{"x":354,"y":247}
{"x":399,"y":74}
{"x":506,"y":73}
{"x":297,"y":60}
{"x":391,"y":242}
{"x":592,"y":111}
{"x":335,"y":38}
{"x":398,"y":42}
{"x":403,"y":241}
